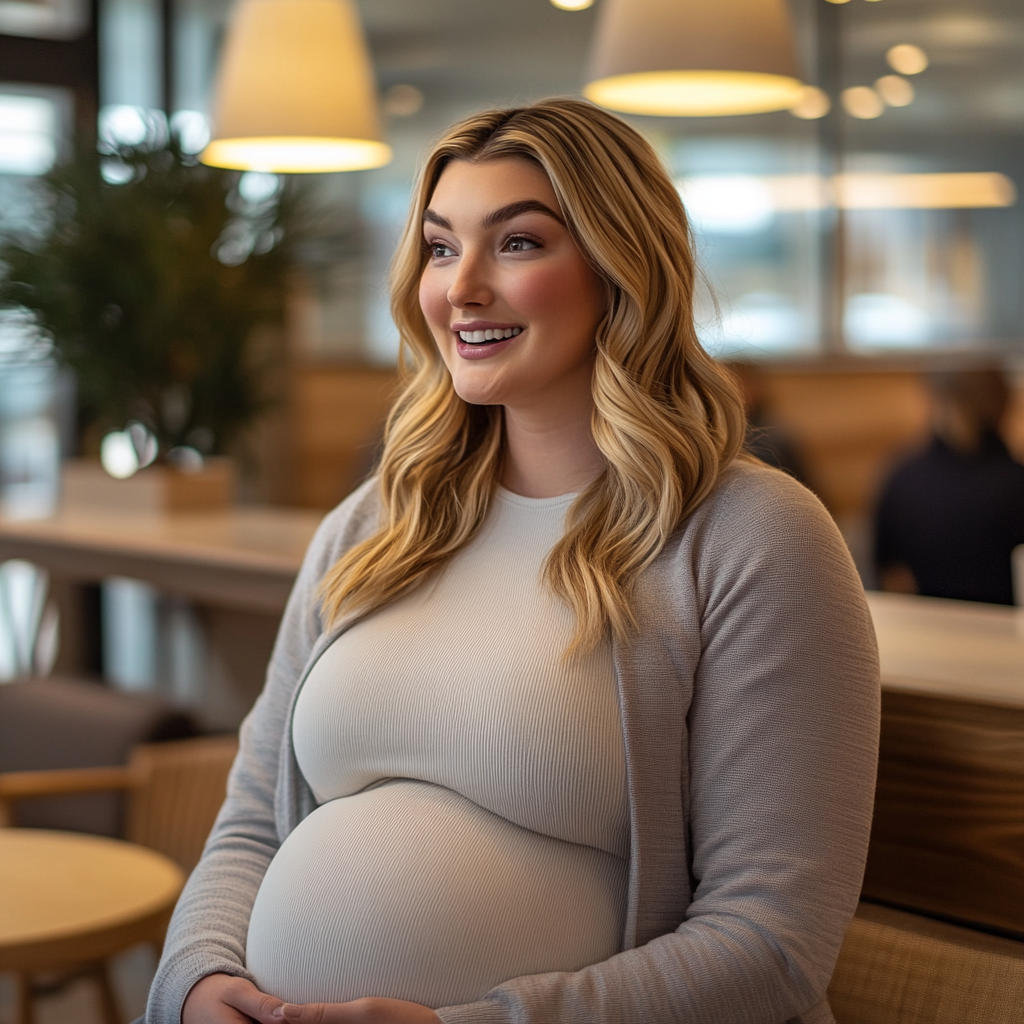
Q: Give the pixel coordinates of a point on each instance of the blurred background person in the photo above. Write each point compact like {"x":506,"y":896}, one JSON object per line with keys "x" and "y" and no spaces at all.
{"x":950,"y":516}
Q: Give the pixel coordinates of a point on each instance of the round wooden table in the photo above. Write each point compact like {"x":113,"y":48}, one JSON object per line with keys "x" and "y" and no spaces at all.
{"x":68,"y":899}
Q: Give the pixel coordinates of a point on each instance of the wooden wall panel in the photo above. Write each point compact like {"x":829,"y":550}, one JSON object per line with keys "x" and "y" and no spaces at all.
{"x":849,"y":424}
{"x":849,"y":427}
{"x":948,"y":833}
{"x":337,"y":419}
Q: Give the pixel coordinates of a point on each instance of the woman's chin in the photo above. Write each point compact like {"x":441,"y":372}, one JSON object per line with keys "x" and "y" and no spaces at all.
{"x":477,"y":392}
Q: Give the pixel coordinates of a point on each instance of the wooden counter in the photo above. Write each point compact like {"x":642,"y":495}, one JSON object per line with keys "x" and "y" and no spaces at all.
{"x":243,"y":557}
{"x":236,"y":567}
{"x":948,"y":834}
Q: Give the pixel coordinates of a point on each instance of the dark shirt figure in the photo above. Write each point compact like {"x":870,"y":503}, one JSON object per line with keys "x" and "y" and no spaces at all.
{"x":950,"y":517}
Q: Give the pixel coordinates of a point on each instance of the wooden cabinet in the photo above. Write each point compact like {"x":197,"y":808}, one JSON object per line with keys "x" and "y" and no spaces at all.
{"x":948,"y":834}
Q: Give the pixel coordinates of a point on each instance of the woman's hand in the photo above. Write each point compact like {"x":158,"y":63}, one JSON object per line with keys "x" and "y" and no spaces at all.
{"x":222,"y":999}
{"x":359,"y":1011}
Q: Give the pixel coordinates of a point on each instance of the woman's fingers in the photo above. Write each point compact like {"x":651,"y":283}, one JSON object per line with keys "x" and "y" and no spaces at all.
{"x":223,"y":999}
{"x":359,"y":1011}
{"x":245,"y":996}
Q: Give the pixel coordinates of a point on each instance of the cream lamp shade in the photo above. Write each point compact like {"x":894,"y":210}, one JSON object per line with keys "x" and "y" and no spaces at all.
{"x":295,"y":91}
{"x":694,"y":58}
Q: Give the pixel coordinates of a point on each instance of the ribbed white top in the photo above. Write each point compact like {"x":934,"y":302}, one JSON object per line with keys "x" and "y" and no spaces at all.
{"x":474,"y":818}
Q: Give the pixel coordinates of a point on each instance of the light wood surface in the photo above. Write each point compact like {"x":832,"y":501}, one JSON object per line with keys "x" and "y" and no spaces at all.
{"x":954,"y":649}
{"x":66,"y":898}
{"x":242,"y":558}
{"x":236,"y":566}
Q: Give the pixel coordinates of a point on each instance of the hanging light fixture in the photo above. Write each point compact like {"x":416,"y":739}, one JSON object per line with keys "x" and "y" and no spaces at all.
{"x":295,"y":91}
{"x":694,"y":58}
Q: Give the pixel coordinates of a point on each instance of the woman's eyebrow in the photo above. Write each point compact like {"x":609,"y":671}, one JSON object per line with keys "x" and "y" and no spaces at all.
{"x":430,"y":217}
{"x":514,"y":209}
{"x":496,"y":216}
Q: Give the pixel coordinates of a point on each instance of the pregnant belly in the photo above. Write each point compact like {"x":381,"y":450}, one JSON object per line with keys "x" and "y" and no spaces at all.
{"x":411,"y":891}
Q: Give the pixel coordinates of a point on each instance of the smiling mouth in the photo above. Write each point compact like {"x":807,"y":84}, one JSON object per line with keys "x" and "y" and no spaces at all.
{"x":482,"y":337}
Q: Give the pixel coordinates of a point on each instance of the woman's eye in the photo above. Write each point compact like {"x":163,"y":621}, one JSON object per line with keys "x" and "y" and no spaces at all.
{"x":520,"y":244}
{"x":439,"y":251}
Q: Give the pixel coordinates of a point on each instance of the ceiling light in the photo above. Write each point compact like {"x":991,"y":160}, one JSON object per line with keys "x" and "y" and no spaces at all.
{"x":691,"y":58}
{"x":402,"y":101}
{"x":295,"y":91}
{"x":813,"y":103}
{"x":896,"y":91}
{"x":572,"y":5}
{"x":907,"y":59}
{"x":923,"y":191}
{"x":861,"y":101}
{"x":803,"y":193}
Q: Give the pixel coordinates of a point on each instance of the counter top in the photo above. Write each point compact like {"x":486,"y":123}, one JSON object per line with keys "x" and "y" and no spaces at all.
{"x":954,"y":649}
{"x":245,"y":556}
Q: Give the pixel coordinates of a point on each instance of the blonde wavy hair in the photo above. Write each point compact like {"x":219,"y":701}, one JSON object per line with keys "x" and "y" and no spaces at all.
{"x":666,"y":417}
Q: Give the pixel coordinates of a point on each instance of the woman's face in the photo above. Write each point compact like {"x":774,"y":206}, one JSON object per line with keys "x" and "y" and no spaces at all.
{"x":508,"y":296}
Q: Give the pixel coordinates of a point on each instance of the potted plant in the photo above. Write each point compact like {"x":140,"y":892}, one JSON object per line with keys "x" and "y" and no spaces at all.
{"x":151,"y":274}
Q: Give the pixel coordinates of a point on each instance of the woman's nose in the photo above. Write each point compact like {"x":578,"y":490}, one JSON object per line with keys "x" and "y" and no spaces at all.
{"x":471,"y":286}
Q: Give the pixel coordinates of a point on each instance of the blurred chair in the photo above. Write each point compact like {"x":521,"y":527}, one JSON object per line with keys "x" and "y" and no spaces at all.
{"x":174,"y":792}
{"x":71,"y":723}
{"x":899,"y":968}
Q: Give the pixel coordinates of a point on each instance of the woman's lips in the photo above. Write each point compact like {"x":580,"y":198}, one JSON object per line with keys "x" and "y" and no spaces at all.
{"x":467,"y":350}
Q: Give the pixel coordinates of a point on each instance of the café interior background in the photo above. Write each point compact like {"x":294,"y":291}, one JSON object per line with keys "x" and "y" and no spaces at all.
{"x":792,"y":275}
{"x":843,"y":302}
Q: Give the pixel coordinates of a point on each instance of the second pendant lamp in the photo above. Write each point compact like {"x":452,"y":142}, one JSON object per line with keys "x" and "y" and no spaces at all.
{"x":694,"y":58}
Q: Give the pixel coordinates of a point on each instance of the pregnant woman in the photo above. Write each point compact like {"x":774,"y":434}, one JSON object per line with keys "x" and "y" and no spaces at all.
{"x":573,"y":711}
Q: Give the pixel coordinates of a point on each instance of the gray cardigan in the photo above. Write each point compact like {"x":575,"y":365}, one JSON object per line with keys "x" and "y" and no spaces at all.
{"x":750,"y":713}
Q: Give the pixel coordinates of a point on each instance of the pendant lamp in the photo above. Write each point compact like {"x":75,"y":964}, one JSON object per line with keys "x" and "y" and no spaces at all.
{"x":295,"y":91}
{"x":694,"y":58}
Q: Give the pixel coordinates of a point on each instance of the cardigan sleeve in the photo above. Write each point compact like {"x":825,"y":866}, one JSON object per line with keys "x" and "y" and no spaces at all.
{"x":778,"y":778}
{"x":208,"y":929}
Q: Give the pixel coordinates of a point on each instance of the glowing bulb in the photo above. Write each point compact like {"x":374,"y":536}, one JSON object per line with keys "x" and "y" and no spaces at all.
{"x":813,"y":103}
{"x":695,"y":93}
{"x":572,"y":5}
{"x":896,"y":91}
{"x":861,"y":101}
{"x":907,"y":59}
{"x":118,"y":455}
{"x":296,"y":155}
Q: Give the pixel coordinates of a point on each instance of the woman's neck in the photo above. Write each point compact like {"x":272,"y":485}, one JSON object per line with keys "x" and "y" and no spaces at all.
{"x":550,"y":452}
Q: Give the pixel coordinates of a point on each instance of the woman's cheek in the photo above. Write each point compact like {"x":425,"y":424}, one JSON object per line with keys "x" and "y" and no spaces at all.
{"x":434,"y":303}
{"x":546,"y":294}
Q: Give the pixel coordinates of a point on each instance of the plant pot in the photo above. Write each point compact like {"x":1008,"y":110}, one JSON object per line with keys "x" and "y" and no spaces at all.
{"x":86,"y":485}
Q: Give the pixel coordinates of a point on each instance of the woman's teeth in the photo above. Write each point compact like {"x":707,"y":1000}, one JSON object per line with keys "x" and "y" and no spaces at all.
{"x":479,"y":337}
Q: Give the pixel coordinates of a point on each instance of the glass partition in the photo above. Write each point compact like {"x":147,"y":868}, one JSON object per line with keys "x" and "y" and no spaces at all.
{"x":885,"y":218}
